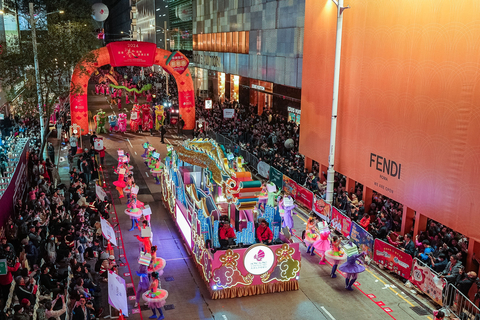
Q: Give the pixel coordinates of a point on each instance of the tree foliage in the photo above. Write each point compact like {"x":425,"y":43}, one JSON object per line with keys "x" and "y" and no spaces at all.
{"x":62,"y":41}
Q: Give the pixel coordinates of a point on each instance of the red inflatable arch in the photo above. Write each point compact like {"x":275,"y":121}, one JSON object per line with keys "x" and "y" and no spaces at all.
{"x":138,"y":54}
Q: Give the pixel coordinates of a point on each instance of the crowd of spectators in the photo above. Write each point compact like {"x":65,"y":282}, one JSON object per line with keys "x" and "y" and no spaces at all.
{"x":269,"y":136}
{"x":53,"y":246}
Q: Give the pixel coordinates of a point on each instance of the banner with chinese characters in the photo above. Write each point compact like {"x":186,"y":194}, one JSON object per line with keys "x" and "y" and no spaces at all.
{"x":304,"y":197}
{"x":362,"y":239}
{"x":392,"y":258}
{"x":178,"y":62}
{"x":427,"y":281}
{"x":341,"y":222}
{"x":290,"y":186}
{"x":131,"y":53}
{"x":322,"y":208}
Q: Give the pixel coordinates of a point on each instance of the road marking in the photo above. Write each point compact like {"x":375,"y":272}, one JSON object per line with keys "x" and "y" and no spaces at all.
{"x":224,"y":317}
{"x":129,"y":142}
{"x":328,"y":313}
{"x":135,"y":152}
{"x":146,"y":173}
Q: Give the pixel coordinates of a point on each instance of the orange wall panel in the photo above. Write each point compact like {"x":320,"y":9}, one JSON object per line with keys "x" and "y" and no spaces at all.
{"x":409,"y":89}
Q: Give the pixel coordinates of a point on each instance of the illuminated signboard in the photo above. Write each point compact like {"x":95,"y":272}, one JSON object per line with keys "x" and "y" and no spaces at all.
{"x":184,"y":226}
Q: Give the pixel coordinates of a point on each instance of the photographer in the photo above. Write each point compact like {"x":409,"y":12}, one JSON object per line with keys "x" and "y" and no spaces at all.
{"x":438,"y":264}
{"x":50,"y":313}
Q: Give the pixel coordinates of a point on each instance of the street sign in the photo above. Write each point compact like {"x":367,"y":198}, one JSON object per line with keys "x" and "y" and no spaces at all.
{"x":3,"y":267}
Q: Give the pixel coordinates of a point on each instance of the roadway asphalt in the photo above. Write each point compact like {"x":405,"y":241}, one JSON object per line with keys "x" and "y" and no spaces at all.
{"x":319,"y":297}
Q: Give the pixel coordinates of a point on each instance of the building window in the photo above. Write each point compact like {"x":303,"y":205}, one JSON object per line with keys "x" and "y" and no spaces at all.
{"x":234,"y":42}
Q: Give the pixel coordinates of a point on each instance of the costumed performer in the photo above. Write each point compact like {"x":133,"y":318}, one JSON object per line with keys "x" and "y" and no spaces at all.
{"x":143,"y":282}
{"x":336,"y":256}
{"x":122,"y":122}
{"x":120,"y":183}
{"x":128,"y":186}
{"x":287,"y":204}
{"x":157,"y":264}
{"x":146,"y":145}
{"x":272,"y":194}
{"x":134,"y":208}
{"x":157,"y":170}
{"x":322,"y":244}
{"x":155,"y":297}
{"x":351,"y":267}
{"x":311,"y":233}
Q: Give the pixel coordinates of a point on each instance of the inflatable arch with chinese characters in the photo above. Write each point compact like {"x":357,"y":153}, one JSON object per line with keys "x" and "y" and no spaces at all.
{"x":137,"y":54}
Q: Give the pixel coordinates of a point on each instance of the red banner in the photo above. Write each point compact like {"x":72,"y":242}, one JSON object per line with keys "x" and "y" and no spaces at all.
{"x":132,"y":53}
{"x":304,"y":197}
{"x":427,"y":280}
{"x":290,"y":186}
{"x":341,"y":222}
{"x":392,"y":258}
{"x":322,"y":208}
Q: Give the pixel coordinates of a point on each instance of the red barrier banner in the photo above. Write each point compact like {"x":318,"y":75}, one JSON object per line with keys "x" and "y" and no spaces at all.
{"x":132,"y":53}
{"x":341,"y":222}
{"x":305,"y":197}
{"x":392,"y":258}
{"x":290,"y":186}
{"x":427,"y":281}
{"x":322,"y":209}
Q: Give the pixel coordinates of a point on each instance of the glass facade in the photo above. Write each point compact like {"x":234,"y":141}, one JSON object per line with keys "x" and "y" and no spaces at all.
{"x":180,"y":16}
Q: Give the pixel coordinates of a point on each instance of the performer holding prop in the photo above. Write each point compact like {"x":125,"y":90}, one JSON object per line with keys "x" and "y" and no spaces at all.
{"x":134,"y":206}
{"x":311,"y":233}
{"x":322,"y":244}
{"x":272,"y":194}
{"x":143,"y":283}
{"x":155,"y":297}
{"x":336,"y":256}
{"x":351,"y":267}
{"x":157,"y":264}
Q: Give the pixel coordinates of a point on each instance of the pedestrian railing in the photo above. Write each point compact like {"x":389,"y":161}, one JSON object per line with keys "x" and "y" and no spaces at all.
{"x":457,"y":303}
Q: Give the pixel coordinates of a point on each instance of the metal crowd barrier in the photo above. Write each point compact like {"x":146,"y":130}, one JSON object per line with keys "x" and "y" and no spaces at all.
{"x":457,"y":303}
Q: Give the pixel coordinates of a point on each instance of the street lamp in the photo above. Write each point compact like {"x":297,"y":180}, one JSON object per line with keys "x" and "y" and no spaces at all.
{"x":336,"y":81}
{"x":37,"y":69}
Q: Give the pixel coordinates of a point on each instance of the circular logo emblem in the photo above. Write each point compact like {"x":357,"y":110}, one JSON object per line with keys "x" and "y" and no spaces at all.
{"x":258,"y":259}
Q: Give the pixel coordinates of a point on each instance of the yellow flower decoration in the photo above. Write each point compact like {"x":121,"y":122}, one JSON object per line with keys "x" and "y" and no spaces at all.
{"x":229,"y":259}
{"x":284,"y":253}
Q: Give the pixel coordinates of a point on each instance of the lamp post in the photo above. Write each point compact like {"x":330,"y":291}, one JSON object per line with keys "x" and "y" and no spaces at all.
{"x":336,"y":81}
{"x":37,"y":70}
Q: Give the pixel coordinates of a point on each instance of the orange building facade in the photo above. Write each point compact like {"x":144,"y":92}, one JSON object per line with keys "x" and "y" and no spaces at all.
{"x":408,"y":113}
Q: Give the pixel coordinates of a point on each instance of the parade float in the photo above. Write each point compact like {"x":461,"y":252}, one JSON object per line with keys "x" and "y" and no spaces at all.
{"x":202,"y":185}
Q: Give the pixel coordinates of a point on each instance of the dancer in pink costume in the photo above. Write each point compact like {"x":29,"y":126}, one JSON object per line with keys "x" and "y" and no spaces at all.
{"x":322,"y":245}
{"x":122,"y":122}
